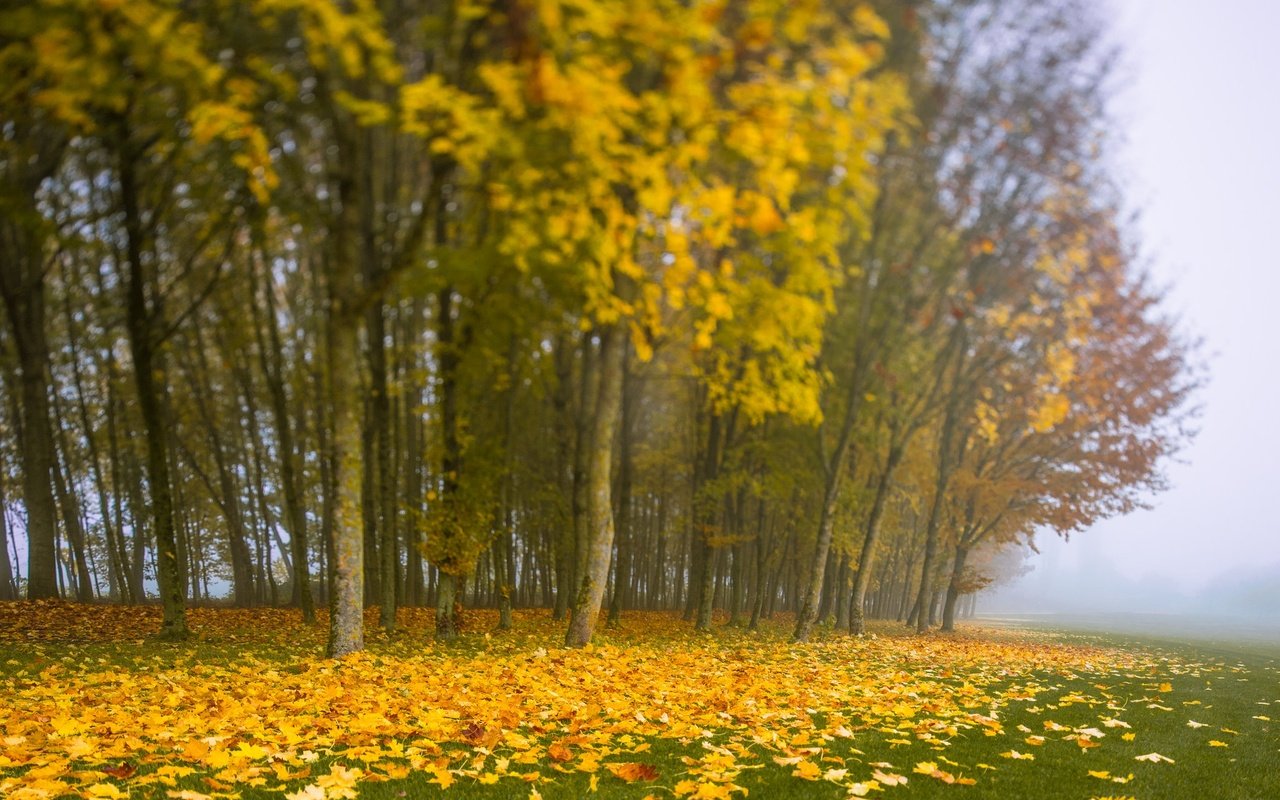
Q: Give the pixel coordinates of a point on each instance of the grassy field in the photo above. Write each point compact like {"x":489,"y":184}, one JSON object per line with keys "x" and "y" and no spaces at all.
{"x":89,"y":706}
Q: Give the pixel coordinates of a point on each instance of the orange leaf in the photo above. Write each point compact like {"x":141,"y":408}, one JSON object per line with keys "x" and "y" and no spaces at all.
{"x":559,"y":752}
{"x":632,"y":771}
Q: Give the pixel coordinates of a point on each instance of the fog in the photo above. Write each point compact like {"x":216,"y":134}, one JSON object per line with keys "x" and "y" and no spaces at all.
{"x":1067,"y":578}
{"x":1199,"y":113}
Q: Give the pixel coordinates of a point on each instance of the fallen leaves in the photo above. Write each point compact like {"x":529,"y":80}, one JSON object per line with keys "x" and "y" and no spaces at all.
{"x":630,"y":771}
{"x":517,"y":710}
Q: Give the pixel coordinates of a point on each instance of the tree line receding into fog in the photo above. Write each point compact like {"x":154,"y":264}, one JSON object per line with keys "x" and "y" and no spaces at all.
{"x":819,"y":307}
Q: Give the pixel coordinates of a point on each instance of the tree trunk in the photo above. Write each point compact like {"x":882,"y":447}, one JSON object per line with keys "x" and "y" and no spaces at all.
{"x":866,"y":561}
{"x":826,"y":528}
{"x":22,"y":280}
{"x":705,"y":473}
{"x":625,"y":523}
{"x":504,"y":552}
{"x":953,"y":588}
{"x":380,"y":421}
{"x":295,"y":518}
{"x":582,"y":454}
{"x":935,"y":519}
{"x":8,"y":586}
{"x":600,"y":505}
{"x":346,"y":605}
{"x":149,"y":377}
{"x":22,"y":287}
{"x":450,"y":564}
{"x":71,"y":519}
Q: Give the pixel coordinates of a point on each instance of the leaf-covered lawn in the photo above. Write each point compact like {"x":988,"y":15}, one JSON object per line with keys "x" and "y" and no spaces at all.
{"x":92,"y":707}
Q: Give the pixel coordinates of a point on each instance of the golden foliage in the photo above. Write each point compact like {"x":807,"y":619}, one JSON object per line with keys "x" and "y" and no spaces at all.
{"x":108,"y":719}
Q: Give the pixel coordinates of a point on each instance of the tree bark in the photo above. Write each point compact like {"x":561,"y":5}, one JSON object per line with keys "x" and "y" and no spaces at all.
{"x":141,"y":320}
{"x":8,"y":586}
{"x":22,"y":285}
{"x":953,"y":588}
{"x":346,"y":614}
{"x":866,"y":561}
{"x":599,"y":548}
{"x":295,"y":519}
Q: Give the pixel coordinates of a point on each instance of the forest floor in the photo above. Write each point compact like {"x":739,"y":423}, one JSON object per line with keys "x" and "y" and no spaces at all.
{"x":90,"y":706}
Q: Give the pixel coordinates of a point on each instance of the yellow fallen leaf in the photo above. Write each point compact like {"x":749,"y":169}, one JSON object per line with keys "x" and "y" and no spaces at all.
{"x":888,"y":778}
{"x":1014,"y":754}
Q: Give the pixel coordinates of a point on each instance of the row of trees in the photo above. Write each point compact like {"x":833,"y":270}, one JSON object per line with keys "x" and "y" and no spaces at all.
{"x":762,"y":305}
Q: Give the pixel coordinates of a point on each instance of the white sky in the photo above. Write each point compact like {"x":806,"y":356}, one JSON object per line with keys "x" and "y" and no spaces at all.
{"x":1199,"y":110}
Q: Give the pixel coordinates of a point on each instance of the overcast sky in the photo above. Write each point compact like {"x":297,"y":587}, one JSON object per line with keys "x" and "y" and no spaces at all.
{"x":1199,"y":112}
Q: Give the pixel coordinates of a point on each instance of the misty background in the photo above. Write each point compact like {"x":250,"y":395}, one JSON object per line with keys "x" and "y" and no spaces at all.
{"x":1199,"y":115}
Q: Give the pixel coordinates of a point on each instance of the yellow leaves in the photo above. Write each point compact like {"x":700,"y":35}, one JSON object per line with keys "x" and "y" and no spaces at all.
{"x":807,"y":770}
{"x":713,"y":791}
{"x":1154,"y":758}
{"x":251,"y":752}
{"x":341,"y":782}
{"x":930,"y":768}
{"x":367,"y":113}
{"x":1053,"y":409}
{"x":450,"y":120}
{"x":1061,"y":363}
{"x":632,"y":771}
{"x":763,"y":217}
{"x":106,"y":791}
{"x":888,"y":778}
{"x":308,"y":792}
{"x":217,"y":758}
{"x":506,"y":81}
{"x":729,"y":704}
{"x":904,"y":710}
{"x":1014,"y":754}
{"x":441,"y":776}
{"x":868,"y":23}
{"x":195,"y":750}
{"x":559,"y":752}
{"x":65,"y":726}
{"x":1217,"y":743}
